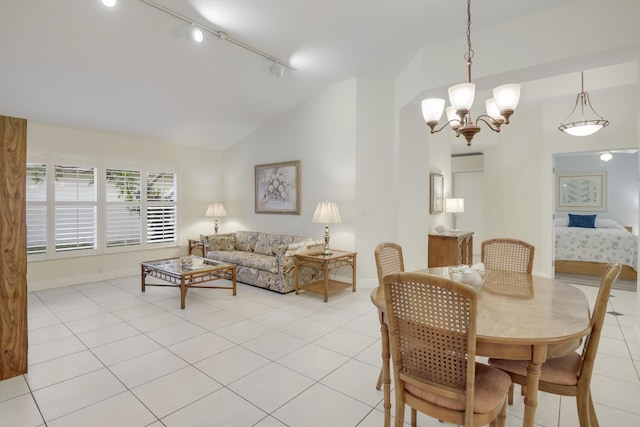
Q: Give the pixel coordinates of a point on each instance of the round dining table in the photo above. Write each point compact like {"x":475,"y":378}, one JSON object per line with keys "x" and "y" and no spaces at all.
{"x":520,"y":317}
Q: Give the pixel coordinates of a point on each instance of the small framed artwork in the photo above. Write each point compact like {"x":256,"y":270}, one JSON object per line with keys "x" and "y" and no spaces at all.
{"x":277,"y":188}
{"x":585,"y":191}
{"x":436,"y":188}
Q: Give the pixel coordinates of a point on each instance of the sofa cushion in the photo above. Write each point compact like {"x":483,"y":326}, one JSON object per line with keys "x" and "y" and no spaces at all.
{"x":246,"y":240}
{"x":220,"y":243}
{"x":246,"y":259}
{"x":269,"y":244}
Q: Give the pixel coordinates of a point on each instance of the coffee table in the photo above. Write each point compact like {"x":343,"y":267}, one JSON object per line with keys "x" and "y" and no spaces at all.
{"x":201,"y":271}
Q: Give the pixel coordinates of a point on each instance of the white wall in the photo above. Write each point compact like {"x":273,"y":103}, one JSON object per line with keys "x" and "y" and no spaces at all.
{"x":200,"y":181}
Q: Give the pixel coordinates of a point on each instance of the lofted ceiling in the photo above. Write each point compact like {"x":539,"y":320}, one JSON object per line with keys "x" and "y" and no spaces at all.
{"x":132,"y":69}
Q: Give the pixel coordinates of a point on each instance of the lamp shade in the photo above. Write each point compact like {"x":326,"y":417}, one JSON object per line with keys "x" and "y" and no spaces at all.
{"x":507,"y":96}
{"x":326,"y":213}
{"x":454,"y":205}
{"x":432,"y":109}
{"x":492,"y":110}
{"x":462,"y":95}
{"x":216,"y":210}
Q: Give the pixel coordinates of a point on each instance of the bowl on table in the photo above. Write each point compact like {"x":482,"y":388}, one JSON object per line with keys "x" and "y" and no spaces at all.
{"x":469,"y":275}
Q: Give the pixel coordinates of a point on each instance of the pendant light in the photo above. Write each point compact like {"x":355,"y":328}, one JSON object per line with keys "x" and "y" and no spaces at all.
{"x":583,"y":126}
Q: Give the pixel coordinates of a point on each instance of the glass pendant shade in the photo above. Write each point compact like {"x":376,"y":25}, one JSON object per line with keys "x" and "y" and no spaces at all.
{"x":507,"y":96}
{"x":432,"y":109}
{"x":584,"y":128}
{"x":453,"y":118}
{"x":461,"y":96}
{"x":492,"y":110}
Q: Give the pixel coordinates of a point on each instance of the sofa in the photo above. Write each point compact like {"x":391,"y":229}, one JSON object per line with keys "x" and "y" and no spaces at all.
{"x":264,"y":260}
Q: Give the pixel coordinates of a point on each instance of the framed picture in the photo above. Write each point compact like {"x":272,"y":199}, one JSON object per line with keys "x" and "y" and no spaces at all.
{"x":582,"y":191}
{"x":436,"y":202}
{"x":277,"y":188}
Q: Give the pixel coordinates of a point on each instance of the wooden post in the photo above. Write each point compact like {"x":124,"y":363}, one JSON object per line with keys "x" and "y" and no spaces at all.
{"x":13,"y":247}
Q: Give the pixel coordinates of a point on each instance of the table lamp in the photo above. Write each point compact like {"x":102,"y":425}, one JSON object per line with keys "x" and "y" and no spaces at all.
{"x":216,"y":210}
{"x":326,"y":213}
{"x":454,"y":206}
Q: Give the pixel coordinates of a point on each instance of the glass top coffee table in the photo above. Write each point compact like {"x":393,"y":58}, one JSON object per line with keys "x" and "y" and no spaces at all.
{"x":188,"y":275}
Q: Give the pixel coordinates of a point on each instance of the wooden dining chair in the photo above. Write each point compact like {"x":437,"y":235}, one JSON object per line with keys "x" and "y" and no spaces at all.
{"x":508,"y":255}
{"x":432,"y":331}
{"x":570,"y":375}
{"x":389,"y":260}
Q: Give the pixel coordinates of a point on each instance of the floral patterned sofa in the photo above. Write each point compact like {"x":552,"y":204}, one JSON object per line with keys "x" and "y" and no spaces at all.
{"x":264,"y":260}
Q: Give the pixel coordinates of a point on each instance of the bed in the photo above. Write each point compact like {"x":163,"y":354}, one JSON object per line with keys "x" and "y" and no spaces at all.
{"x":587,"y":249}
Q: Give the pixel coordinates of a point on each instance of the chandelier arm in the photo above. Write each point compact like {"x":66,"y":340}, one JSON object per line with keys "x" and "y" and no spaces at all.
{"x":434,"y":130}
{"x":493,"y":125}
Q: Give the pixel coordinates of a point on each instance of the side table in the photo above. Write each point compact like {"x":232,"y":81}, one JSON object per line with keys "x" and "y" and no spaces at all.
{"x":325,"y":263}
{"x":196,"y":244}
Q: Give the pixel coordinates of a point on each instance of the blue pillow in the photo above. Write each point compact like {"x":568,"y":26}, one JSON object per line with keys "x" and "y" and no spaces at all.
{"x":584,"y":221}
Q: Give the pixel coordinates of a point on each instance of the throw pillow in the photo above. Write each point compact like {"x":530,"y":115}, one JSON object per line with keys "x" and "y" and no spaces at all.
{"x":584,"y":221}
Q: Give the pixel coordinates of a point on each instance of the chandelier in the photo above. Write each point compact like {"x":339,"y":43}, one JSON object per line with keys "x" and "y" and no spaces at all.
{"x":583,"y":127}
{"x":499,"y":108}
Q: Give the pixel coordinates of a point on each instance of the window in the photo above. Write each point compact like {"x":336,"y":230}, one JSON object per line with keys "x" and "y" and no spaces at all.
{"x":123,"y":208}
{"x":36,"y":208}
{"x":77,"y":207}
{"x":161,"y":207}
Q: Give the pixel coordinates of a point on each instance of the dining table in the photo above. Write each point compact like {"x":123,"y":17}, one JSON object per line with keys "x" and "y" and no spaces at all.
{"x":520,"y":316}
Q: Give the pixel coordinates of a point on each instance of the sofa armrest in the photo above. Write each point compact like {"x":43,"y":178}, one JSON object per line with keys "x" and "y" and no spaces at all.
{"x":285,"y":253}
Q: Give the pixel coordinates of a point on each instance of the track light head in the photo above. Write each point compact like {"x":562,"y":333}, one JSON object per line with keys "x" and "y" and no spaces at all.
{"x":277,"y":70}
{"x":196,"y":34}
{"x":109,"y":3}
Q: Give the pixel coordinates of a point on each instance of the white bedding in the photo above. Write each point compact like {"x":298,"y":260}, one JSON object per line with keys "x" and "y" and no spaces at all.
{"x":596,"y":245}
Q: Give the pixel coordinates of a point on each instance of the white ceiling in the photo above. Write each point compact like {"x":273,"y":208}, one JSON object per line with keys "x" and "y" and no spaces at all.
{"x":132,"y":70}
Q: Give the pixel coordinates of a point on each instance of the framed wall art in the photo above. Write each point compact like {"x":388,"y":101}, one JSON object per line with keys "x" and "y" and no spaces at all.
{"x":277,"y":188}
{"x":436,"y":189}
{"x":586,"y":191}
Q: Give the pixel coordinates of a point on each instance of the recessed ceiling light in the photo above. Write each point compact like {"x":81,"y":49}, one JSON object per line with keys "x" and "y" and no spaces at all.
{"x":109,"y":3}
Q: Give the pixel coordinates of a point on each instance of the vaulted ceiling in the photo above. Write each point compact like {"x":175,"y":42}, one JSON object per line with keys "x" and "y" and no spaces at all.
{"x":132,"y":69}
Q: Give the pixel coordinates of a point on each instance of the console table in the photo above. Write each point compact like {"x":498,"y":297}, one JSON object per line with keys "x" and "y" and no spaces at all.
{"x":325,"y":263}
{"x":450,"y":248}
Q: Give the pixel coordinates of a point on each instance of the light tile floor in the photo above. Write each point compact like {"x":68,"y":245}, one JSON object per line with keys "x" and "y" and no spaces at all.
{"x":105,"y":354}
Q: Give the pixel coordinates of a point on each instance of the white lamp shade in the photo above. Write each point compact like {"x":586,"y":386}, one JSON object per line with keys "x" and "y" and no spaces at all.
{"x":454,"y":205}
{"x":326,"y":213}
{"x":462,"y":95}
{"x":492,"y":110}
{"x":216,"y":210}
{"x":452,"y":117}
{"x":432,"y":109}
{"x":507,"y":96}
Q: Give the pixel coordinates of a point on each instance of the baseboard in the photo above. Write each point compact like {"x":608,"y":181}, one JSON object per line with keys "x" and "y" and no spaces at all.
{"x":41,"y":285}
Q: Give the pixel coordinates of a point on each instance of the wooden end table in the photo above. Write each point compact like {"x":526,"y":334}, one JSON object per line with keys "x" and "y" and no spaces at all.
{"x":203,"y":270}
{"x":325,"y":263}
{"x":196,"y":244}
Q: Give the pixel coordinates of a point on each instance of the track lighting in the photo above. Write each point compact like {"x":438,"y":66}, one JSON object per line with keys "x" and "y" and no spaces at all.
{"x":196,"y":34}
{"x":109,"y":3}
{"x":277,"y":70}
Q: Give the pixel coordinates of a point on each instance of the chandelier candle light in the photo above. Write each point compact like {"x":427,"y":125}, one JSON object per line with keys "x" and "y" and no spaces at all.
{"x":499,"y":108}
{"x":326,"y":213}
{"x":216,"y":210}
{"x":583,"y":127}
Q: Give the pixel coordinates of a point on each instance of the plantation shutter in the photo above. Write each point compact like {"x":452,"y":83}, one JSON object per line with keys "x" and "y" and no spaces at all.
{"x":161,"y":207}
{"x":75,"y":208}
{"x":36,"y":208}
{"x":123,"y":224}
